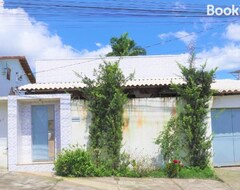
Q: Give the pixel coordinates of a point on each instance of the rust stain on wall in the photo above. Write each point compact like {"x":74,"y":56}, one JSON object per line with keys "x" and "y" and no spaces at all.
{"x":173,"y":111}
{"x":126,"y":124}
{"x":140,"y":121}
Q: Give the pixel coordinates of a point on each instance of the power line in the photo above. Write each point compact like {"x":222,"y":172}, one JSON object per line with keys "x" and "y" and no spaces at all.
{"x":187,"y":35}
{"x":146,"y":47}
{"x":118,"y":10}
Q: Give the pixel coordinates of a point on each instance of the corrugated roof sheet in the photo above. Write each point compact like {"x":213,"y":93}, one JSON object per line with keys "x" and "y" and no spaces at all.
{"x":52,"y":86}
{"x":74,"y":85}
{"x":227,"y":86}
{"x":222,"y":86}
{"x":160,"y":66}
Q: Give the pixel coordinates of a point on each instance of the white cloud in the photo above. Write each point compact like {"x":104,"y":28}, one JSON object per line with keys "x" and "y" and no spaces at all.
{"x":165,"y":35}
{"x":98,"y":44}
{"x":100,"y":52}
{"x":225,"y":58}
{"x":233,"y":32}
{"x":186,"y":37}
{"x":22,"y":35}
{"x":228,"y":56}
{"x":1,"y":3}
{"x":183,"y":36}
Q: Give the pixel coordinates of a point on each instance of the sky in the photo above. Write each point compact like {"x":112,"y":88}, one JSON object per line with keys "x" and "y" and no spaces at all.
{"x":66,"y":29}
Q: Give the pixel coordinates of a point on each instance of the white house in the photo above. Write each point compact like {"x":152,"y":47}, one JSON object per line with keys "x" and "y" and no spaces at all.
{"x":53,"y":114}
{"x":14,"y":72}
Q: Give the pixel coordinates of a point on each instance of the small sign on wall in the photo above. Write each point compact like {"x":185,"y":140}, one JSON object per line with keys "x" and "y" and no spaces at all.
{"x":75,"y":119}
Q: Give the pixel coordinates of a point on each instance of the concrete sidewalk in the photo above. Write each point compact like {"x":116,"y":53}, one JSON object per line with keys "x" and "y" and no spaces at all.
{"x":149,"y":183}
{"x":230,"y":176}
{"x":20,"y":181}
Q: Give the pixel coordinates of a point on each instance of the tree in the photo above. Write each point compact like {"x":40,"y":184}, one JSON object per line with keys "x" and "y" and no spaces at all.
{"x":190,"y":128}
{"x":105,"y":101}
{"x":125,"y":46}
{"x":196,"y":94}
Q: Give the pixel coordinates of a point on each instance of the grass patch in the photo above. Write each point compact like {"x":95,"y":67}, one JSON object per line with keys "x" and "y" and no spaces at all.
{"x":160,"y":173}
{"x":186,"y":173}
{"x":197,"y":173}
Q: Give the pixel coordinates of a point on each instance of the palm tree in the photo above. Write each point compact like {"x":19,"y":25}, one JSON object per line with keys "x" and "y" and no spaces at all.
{"x":125,"y":46}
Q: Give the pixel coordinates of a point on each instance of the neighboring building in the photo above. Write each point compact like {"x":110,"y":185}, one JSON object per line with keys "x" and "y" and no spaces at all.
{"x":53,"y":113}
{"x":14,"y":72}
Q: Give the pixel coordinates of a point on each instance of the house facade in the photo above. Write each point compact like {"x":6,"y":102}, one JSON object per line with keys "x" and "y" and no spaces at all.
{"x":14,"y":72}
{"x":51,"y":114}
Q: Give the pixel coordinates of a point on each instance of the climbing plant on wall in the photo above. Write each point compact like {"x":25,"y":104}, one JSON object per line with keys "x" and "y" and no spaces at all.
{"x":190,"y":127}
{"x":105,"y":101}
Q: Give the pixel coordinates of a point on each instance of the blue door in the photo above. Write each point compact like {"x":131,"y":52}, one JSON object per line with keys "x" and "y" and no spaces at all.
{"x":226,"y":136}
{"x":40,"y":133}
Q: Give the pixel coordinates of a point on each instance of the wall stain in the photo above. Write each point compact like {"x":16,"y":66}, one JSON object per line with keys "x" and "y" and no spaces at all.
{"x":140,"y":120}
{"x":126,"y":124}
{"x":173,"y":111}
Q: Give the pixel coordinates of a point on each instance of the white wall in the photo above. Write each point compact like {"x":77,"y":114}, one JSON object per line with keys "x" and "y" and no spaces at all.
{"x":5,"y":84}
{"x":3,"y":134}
{"x":144,"y":119}
{"x":81,"y":119}
{"x":232,"y":101}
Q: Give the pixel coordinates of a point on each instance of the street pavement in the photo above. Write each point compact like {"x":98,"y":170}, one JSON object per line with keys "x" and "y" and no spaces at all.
{"x":46,"y":181}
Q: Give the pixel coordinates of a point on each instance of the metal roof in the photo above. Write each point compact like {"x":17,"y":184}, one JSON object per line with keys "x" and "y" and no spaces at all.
{"x":75,"y":85}
{"x":143,"y":67}
{"x":222,"y":86}
{"x":227,"y":86}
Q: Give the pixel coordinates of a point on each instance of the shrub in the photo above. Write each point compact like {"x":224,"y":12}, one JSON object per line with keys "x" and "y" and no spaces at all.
{"x":141,"y":167}
{"x":75,"y":162}
{"x":168,"y":140}
{"x":173,"y":168}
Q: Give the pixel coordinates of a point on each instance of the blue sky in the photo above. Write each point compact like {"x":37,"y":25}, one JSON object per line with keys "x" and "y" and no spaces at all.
{"x":162,"y":27}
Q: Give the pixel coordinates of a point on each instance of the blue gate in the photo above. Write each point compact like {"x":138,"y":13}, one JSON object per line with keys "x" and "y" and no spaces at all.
{"x":226,"y":136}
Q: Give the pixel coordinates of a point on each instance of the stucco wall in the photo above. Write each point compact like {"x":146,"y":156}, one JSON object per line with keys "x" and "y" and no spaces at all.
{"x":5,"y":84}
{"x":226,"y":101}
{"x":3,"y":134}
{"x":144,"y":118}
{"x":81,"y":120}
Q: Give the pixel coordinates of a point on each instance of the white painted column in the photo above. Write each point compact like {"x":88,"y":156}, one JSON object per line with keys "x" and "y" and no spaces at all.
{"x":12,"y":132}
{"x":65,"y":121}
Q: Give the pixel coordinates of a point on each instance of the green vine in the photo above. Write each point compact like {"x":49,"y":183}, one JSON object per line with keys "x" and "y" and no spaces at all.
{"x":105,"y":101}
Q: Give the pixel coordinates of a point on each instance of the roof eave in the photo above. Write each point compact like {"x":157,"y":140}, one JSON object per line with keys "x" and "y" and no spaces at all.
{"x":24,"y":63}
